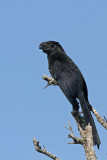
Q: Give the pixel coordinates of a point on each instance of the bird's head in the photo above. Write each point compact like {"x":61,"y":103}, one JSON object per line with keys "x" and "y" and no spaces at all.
{"x":50,"y":46}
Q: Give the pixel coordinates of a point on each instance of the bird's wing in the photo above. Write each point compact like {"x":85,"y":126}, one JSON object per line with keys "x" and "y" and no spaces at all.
{"x":67,"y":78}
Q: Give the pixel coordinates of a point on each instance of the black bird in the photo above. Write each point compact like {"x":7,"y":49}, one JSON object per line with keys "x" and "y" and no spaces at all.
{"x":70,"y":80}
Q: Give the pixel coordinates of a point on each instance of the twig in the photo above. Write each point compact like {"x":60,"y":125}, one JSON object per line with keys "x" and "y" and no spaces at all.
{"x":50,"y":81}
{"x":43,"y":151}
{"x":102,"y":121}
{"x":76,"y":140}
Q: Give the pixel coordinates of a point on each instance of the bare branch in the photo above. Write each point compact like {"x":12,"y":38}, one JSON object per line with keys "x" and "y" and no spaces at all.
{"x":86,"y":140}
{"x":76,"y":140}
{"x":43,"y":151}
{"x":102,"y":121}
{"x":88,"y":146}
{"x":85,"y":131}
{"x":50,"y":81}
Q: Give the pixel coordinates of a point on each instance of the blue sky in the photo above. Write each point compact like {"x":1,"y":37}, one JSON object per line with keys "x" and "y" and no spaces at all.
{"x":26,"y":109}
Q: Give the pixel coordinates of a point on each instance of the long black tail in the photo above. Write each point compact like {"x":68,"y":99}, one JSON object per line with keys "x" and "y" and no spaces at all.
{"x":89,"y":119}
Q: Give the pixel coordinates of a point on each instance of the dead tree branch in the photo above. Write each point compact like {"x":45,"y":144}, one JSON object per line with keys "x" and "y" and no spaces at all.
{"x":76,"y":140}
{"x":49,"y":80}
{"x":102,"y":121}
{"x":86,"y":139}
{"x":43,"y":151}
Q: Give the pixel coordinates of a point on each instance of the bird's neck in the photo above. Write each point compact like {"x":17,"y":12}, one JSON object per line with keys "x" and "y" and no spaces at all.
{"x":56,"y":56}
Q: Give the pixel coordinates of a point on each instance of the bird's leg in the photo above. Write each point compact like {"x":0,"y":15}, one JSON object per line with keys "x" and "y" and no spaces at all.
{"x":80,"y":119}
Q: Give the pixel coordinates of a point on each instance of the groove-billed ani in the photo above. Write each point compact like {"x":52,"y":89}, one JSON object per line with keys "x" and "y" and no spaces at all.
{"x":70,"y":80}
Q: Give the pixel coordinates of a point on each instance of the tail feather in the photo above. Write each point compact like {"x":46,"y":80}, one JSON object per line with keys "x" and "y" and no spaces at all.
{"x":89,"y":119}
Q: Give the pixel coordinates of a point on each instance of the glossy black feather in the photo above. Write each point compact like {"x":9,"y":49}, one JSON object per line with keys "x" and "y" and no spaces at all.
{"x":70,"y":80}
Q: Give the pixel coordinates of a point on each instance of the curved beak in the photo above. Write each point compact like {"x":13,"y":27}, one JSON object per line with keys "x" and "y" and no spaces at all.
{"x":40,"y":46}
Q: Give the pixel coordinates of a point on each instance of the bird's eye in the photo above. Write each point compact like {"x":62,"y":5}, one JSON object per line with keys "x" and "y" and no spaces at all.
{"x":52,"y":45}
